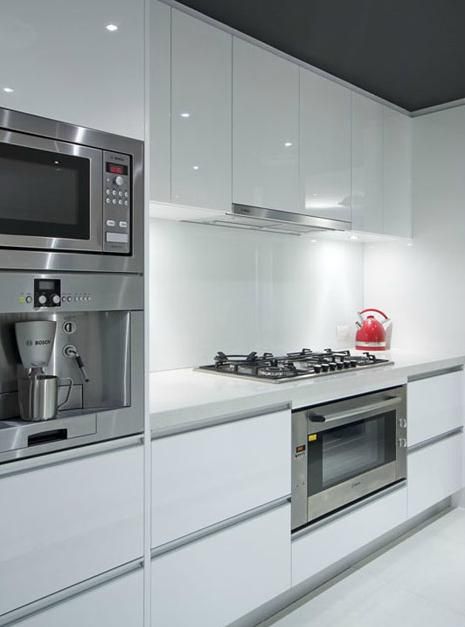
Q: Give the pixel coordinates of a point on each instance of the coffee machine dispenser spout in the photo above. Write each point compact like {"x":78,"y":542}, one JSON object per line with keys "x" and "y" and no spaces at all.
{"x":72,"y":352}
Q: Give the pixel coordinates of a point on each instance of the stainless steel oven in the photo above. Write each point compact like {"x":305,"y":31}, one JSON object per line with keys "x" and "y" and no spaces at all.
{"x":345,"y":450}
{"x":71,"y":199}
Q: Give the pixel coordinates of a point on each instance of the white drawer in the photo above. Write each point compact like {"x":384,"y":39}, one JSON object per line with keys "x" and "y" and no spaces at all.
{"x":118,"y":603}
{"x":435,"y":406}
{"x":330,"y":542}
{"x":203,"y":477}
{"x":434,"y":473}
{"x":63,"y":523}
{"x":219,"y":578}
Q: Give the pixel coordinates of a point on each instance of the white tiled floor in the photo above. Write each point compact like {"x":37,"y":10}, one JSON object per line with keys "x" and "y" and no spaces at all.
{"x":420,"y":582}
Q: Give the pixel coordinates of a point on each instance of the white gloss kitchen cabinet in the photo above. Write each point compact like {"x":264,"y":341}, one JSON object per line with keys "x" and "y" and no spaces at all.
{"x":60,"y":61}
{"x":221,"y":520}
{"x":265,"y":128}
{"x":218,"y":578}
{"x":115,"y":603}
{"x":190,"y":111}
{"x":397,"y":173}
{"x":381,"y":168}
{"x":224,"y":474}
{"x":73,"y":519}
{"x":367,"y":164}
{"x":325,"y":147}
{"x":435,"y":437}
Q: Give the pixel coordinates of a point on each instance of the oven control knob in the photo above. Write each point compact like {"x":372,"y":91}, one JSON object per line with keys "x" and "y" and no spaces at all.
{"x":402,"y":442}
{"x":42,"y":299}
{"x":119,"y":180}
{"x":56,"y":299}
{"x":403,"y":422}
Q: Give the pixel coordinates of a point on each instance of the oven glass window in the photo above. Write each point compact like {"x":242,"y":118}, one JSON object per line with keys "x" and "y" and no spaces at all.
{"x":43,"y":193}
{"x":345,"y":452}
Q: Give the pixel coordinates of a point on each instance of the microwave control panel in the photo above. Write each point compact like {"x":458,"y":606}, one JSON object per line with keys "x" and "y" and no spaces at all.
{"x":116,"y":203}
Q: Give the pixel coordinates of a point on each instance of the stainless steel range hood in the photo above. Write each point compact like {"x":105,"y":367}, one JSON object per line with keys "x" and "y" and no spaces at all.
{"x":274,"y":221}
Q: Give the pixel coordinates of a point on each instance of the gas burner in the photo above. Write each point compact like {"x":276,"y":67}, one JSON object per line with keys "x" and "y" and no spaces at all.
{"x":302,"y":364}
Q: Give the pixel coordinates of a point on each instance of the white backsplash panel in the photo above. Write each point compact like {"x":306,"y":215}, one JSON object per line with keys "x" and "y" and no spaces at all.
{"x":214,"y":288}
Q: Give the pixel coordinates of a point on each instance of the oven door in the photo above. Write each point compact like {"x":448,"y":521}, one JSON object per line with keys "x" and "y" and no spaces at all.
{"x":354,"y":448}
{"x":51,"y":194}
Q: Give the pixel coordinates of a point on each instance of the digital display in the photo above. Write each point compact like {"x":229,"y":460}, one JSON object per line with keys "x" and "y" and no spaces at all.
{"x":116,"y":168}
{"x":46,"y":285}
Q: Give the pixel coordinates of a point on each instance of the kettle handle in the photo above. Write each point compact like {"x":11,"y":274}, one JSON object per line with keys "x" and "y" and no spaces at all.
{"x":375,"y":310}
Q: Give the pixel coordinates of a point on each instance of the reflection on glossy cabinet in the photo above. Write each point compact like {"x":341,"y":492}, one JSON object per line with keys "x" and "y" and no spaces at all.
{"x":367,"y":164}
{"x":69,"y":521}
{"x":201,"y":113}
{"x":219,"y":578}
{"x":265,"y":128}
{"x":60,"y":61}
{"x":325,"y":147}
{"x":397,"y":173}
{"x":117,"y":603}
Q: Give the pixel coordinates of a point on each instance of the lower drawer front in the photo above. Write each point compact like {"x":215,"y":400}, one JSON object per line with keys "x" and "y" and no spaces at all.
{"x":217,"y":579}
{"x":118,"y":603}
{"x":67,"y":522}
{"x":330,"y":542}
{"x":434,"y":473}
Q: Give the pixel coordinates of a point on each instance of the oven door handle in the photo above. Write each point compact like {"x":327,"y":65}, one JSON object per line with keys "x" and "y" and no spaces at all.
{"x":357,"y":413}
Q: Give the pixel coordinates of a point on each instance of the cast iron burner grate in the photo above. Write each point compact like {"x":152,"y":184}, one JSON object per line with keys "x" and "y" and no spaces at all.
{"x":302,"y":364}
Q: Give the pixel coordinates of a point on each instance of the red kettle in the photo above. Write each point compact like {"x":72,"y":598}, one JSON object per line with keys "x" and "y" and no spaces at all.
{"x":371,"y":333}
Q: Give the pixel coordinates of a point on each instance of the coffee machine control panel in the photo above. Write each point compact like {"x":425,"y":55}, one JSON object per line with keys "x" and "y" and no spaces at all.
{"x":73,"y":292}
{"x":47,"y":293}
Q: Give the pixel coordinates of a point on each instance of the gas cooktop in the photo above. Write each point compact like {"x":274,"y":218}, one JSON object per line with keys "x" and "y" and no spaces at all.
{"x":303,"y":364}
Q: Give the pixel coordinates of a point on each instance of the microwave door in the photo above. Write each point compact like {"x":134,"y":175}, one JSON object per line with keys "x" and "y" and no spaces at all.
{"x":51,"y":194}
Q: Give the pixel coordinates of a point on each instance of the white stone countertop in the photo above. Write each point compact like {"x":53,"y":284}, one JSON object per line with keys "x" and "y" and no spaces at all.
{"x":183,"y":400}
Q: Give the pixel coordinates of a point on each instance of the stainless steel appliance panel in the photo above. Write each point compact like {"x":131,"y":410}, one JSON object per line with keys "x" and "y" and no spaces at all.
{"x":78,"y":292}
{"x":107,"y":397}
{"x":100,"y":253}
{"x":367,"y":438}
{"x":94,"y":158}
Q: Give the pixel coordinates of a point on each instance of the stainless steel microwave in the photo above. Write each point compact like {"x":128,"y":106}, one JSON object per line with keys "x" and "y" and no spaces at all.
{"x":72,"y":197}
{"x":346,"y":450}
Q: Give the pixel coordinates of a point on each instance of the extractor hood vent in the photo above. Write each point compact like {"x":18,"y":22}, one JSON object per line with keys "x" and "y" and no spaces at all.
{"x":274,"y":221}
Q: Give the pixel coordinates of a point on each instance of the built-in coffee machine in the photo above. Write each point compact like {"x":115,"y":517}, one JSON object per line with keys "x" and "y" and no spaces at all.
{"x":71,"y":286}
{"x":70,"y":374}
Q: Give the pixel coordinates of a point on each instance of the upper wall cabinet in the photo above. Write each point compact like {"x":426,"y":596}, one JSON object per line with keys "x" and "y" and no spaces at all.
{"x":60,"y":61}
{"x":201,"y":113}
{"x":381,"y":168}
{"x":367,"y":164}
{"x":397,"y":173}
{"x":265,"y":129}
{"x":325,"y":147}
{"x":160,"y":101}
{"x":190,"y":110}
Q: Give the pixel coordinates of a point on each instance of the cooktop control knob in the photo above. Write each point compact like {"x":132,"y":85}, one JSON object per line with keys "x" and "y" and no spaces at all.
{"x":56,"y":299}
{"x":42,"y":299}
{"x":119,"y":180}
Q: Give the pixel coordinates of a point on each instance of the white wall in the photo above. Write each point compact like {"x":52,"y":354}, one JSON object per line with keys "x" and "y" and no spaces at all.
{"x":423,"y":287}
{"x":223,"y":289}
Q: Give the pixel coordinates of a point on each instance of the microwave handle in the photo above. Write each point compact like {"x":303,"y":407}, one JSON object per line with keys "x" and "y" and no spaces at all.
{"x":357,"y":412}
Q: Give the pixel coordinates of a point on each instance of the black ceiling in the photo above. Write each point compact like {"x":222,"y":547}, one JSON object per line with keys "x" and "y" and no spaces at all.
{"x":411,"y":52}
